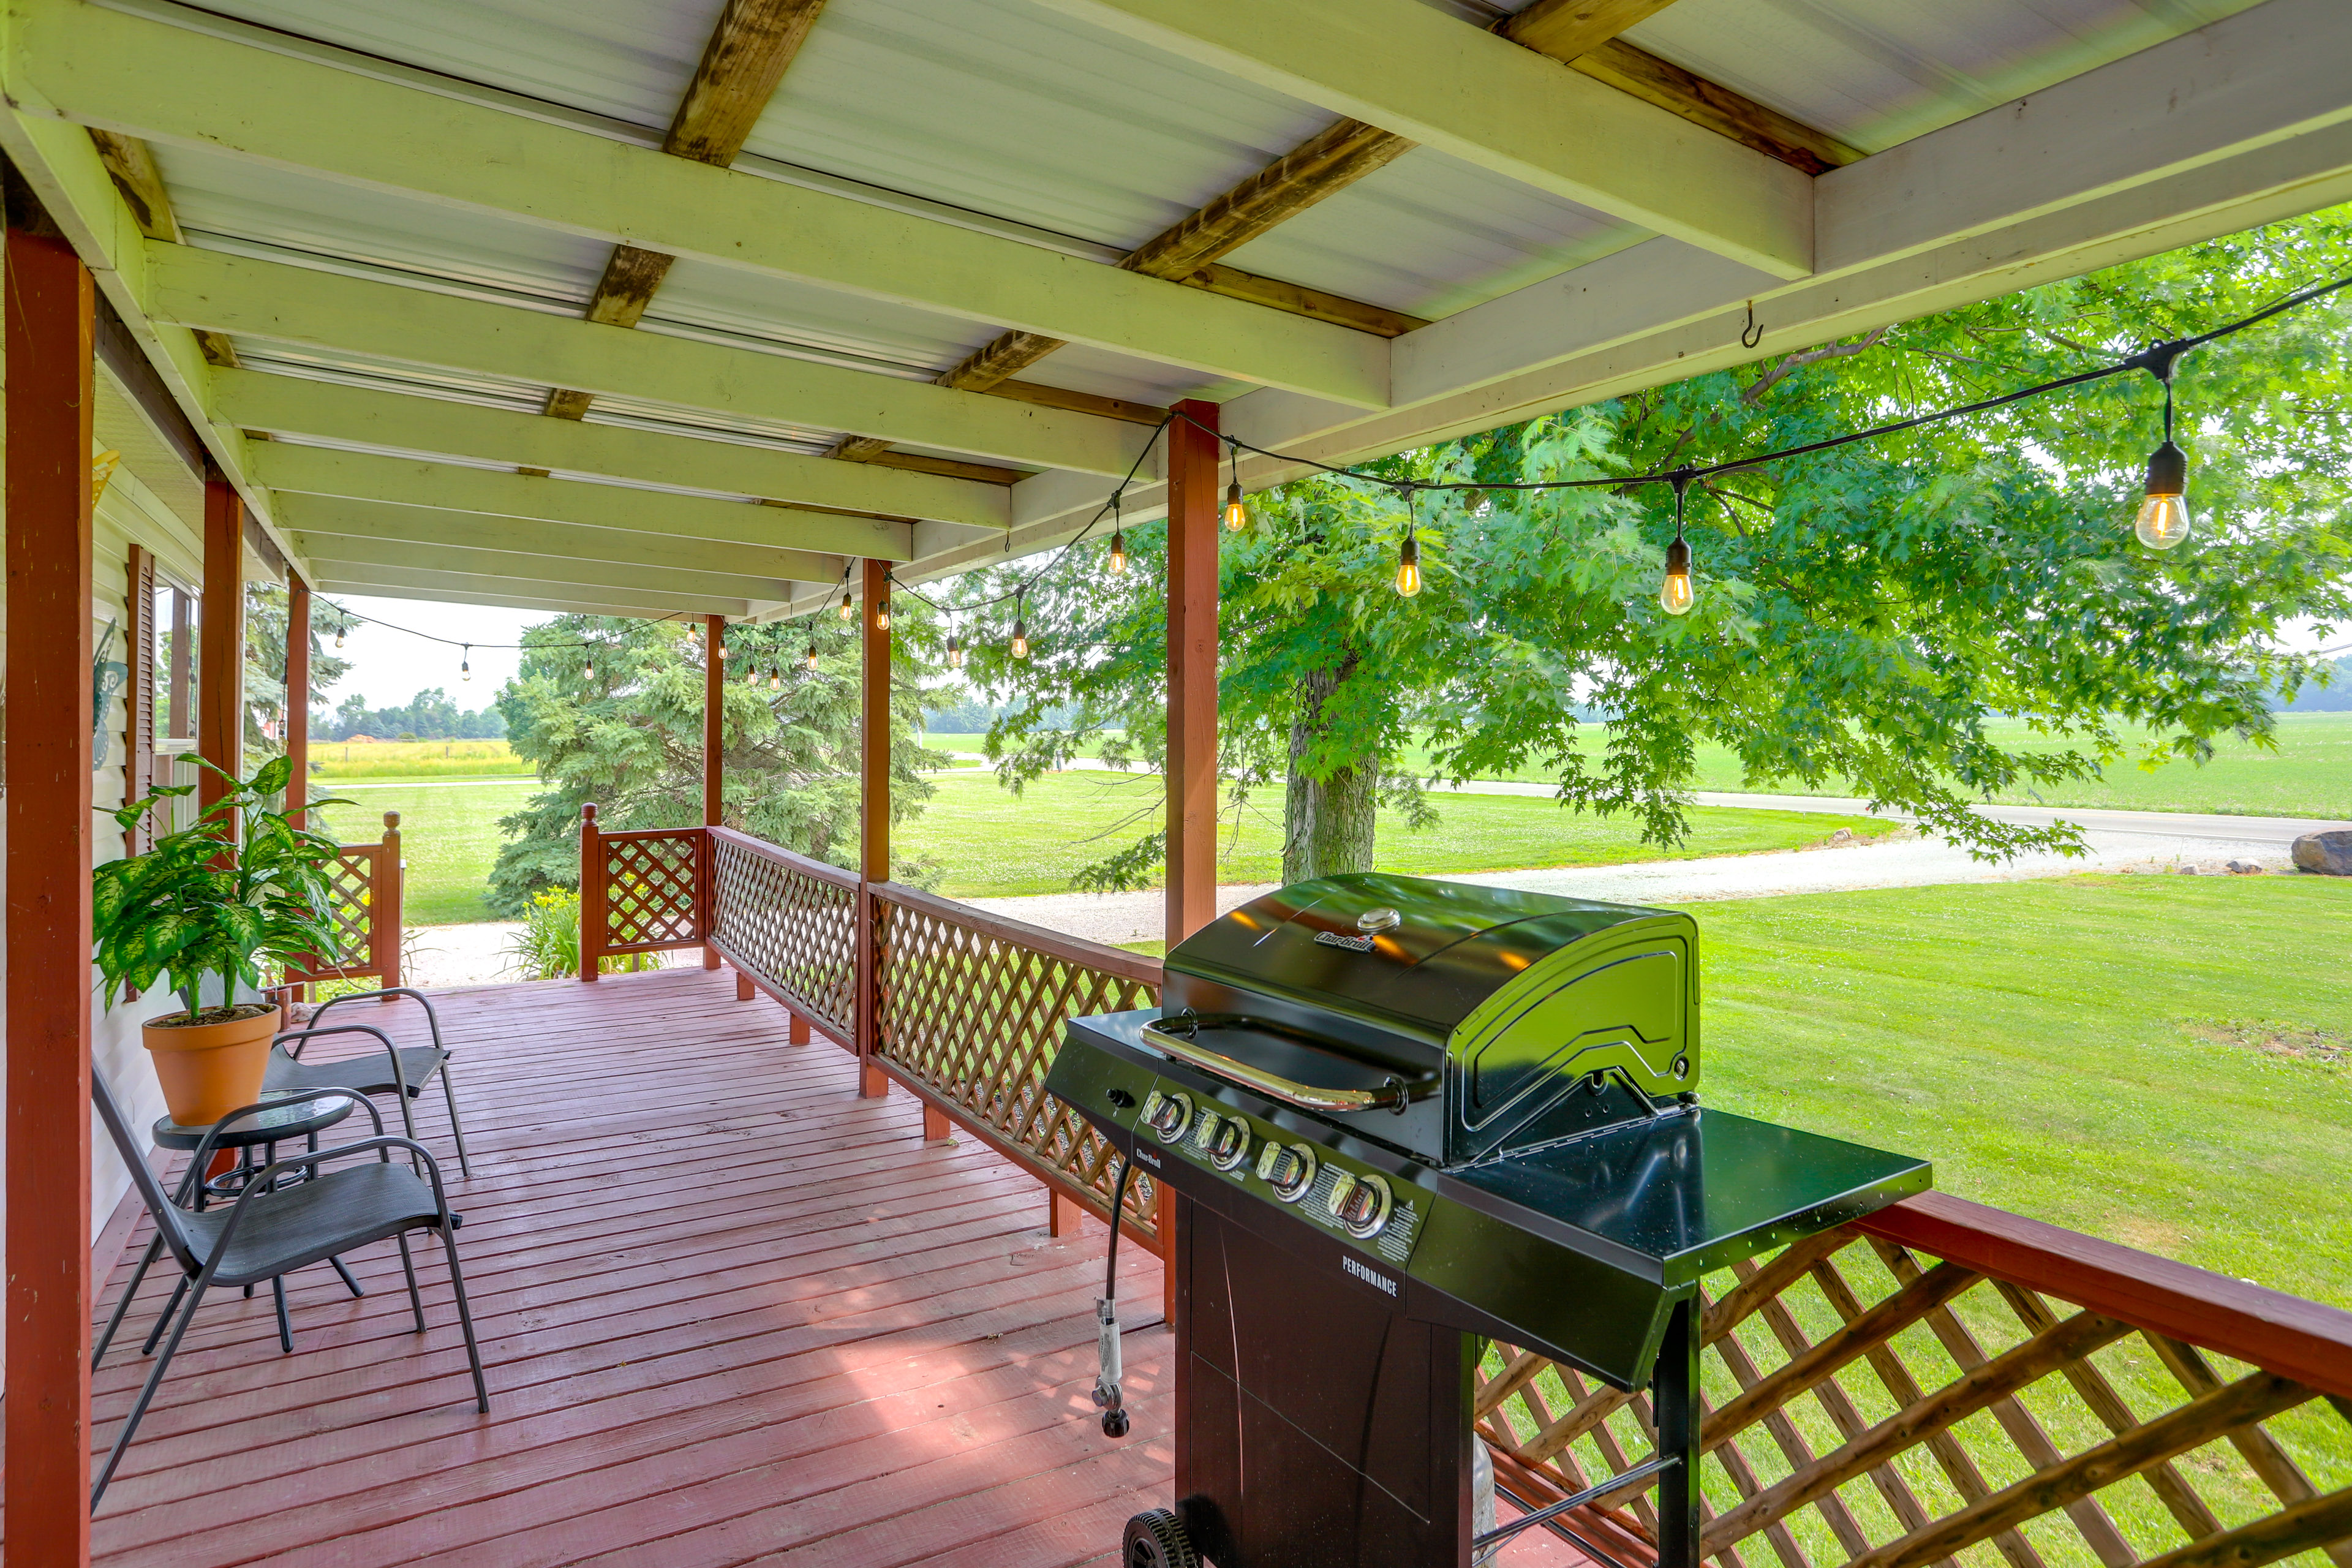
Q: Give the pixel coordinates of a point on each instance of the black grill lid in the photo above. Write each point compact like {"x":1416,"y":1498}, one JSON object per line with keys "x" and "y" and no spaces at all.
{"x":1452,"y":945}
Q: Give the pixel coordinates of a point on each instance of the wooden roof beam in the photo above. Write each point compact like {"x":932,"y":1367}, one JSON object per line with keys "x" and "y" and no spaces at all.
{"x":138,"y":76}
{"x":1421,"y":74}
{"x":418,"y":326}
{"x":748,"y":53}
{"x":339,"y":517}
{"x":367,"y":476}
{"x":291,"y":405}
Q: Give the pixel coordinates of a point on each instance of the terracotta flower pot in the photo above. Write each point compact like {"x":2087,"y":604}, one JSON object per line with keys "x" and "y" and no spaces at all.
{"x":209,"y":1070}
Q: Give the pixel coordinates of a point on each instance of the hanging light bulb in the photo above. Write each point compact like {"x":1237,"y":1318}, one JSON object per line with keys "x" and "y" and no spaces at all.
{"x":882,"y":616}
{"x":848,"y":609}
{"x":1117,"y":538}
{"x":339,"y":637}
{"x":1236,"y":512}
{"x":775,"y":678}
{"x":955,"y":650}
{"x":2163,"y":518}
{"x":811,"y":652}
{"x":1407,"y":572}
{"x":1020,"y":625}
{"x":1675,"y":595}
{"x":466,"y":663}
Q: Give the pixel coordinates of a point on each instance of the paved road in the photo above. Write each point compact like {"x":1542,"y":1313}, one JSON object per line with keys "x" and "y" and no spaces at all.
{"x":2114,"y":841}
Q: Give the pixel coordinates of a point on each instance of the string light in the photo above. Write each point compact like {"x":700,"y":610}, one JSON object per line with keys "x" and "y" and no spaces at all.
{"x":1118,"y":538}
{"x":339,"y":637}
{"x":955,"y":649}
{"x":2162,"y":523}
{"x":1675,"y":595}
{"x":1407,"y":572}
{"x":811,"y":652}
{"x":848,"y":609}
{"x":466,"y":663}
{"x":882,"y":616}
{"x":2163,"y":519}
{"x":775,"y":677}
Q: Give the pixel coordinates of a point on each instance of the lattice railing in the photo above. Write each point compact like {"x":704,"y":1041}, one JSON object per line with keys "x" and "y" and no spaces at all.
{"x":364,"y":891}
{"x":2031,"y":1397}
{"x":641,"y":890}
{"x":972,"y":1013}
{"x":791,"y":924}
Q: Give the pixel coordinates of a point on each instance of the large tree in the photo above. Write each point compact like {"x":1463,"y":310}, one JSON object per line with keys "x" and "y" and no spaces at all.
{"x":1861,"y":614}
{"x":618,"y":721}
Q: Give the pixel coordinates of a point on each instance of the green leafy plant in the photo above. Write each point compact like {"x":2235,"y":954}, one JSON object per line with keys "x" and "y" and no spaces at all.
{"x":548,"y":946}
{"x":211,"y":899}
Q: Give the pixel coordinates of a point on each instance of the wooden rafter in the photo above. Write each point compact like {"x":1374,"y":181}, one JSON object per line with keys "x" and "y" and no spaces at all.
{"x":749,"y":52}
{"x":1323,"y":164}
{"x":130,"y":164}
{"x":1719,"y":109}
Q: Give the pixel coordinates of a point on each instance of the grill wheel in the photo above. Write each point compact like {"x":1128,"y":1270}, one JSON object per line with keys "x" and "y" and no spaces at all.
{"x":1157,"y":1540}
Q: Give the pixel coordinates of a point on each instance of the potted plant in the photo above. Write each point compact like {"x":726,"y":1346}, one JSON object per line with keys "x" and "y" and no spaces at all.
{"x":212,"y":901}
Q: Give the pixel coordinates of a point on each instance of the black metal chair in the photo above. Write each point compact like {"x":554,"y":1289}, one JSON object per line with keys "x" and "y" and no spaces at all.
{"x":401,"y":1070}
{"x":276,"y":1226}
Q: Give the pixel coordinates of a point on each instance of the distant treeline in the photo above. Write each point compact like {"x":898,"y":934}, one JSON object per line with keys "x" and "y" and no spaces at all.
{"x":2335,"y":697}
{"x":429,"y":716}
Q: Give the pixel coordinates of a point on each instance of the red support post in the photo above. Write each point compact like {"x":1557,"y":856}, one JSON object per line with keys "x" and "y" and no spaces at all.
{"x":384,"y":916}
{"x":1191,"y":709}
{"x":796,"y":1032}
{"x":220,"y":635}
{"x":1191,"y":669}
{"x":874,"y":815}
{"x":49,"y":394}
{"x":714,"y":754}
{"x":592,"y":894}
{"x":298,"y":698}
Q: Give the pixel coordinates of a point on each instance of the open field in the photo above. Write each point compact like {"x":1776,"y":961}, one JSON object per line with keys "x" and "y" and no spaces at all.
{"x":449,"y":836}
{"x":2310,"y":774}
{"x":2163,"y":1061}
{"x":413,"y":759}
{"x":992,"y":844}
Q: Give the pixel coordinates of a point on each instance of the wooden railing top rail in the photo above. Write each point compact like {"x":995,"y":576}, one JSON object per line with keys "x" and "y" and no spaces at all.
{"x":784,"y":856}
{"x":2286,"y":1335}
{"x":1135,"y":967}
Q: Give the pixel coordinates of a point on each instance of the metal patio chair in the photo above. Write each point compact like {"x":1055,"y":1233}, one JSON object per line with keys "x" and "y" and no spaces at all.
{"x":276,"y":1226}
{"x":401,"y":1070}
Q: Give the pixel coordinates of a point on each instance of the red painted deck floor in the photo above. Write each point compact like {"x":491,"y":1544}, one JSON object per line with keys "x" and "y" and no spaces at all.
{"x":730,"y":1313}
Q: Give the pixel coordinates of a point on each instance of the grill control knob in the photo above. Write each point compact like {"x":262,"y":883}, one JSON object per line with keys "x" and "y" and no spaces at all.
{"x":1361,"y":1204}
{"x":1289,"y":1170}
{"x":1168,"y":1115}
{"x":1229,"y":1145}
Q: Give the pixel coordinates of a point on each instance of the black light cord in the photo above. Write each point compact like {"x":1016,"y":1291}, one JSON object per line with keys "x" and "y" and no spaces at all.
{"x":455,"y":642}
{"x":2157,"y":359}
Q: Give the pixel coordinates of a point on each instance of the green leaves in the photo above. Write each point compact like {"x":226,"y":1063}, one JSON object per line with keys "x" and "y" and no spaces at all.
{"x":211,"y":901}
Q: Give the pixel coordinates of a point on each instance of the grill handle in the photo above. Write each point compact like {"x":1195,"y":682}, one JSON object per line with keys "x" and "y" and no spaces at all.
{"x":1392,"y":1095}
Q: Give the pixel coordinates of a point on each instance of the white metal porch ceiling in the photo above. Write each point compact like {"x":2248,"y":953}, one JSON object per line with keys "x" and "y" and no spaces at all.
{"x":1082,"y":128}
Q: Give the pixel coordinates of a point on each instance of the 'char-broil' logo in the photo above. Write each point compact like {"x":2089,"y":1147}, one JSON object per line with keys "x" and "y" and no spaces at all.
{"x":1352,"y":943}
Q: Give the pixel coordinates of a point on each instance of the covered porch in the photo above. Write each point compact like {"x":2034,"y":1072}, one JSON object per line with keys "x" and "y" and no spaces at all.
{"x":787,"y":1254}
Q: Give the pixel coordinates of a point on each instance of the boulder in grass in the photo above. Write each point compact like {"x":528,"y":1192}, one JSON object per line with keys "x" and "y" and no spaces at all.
{"x":2329,"y":854}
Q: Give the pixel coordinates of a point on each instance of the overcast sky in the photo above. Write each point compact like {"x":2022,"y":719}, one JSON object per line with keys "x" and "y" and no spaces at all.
{"x":390,"y":666}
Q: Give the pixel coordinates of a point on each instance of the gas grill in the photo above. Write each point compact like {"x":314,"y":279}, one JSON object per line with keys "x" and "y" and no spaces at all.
{"x":1400,"y":1117}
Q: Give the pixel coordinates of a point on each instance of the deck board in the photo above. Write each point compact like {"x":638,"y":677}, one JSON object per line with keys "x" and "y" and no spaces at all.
{"x":726,"y":1308}
{"x":731,"y":1314}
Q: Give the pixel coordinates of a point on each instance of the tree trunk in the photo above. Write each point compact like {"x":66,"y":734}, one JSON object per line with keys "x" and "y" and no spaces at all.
{"x":1328,"y":822}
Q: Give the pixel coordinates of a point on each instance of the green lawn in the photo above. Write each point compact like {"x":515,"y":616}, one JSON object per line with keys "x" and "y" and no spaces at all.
{"x":2162,"y":1061}
{"x":449,"y":836}
{"x":2310,"y":774}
